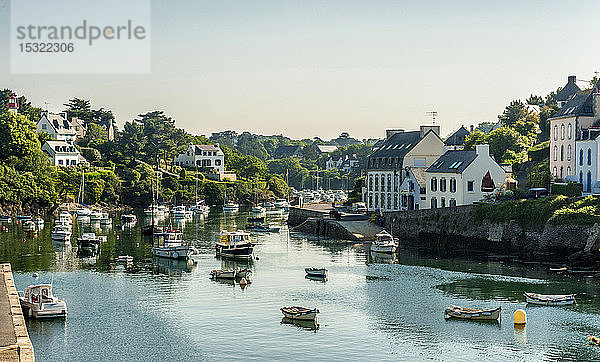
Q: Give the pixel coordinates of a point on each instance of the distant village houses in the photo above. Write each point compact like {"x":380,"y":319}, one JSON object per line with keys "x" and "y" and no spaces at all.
{"x":208,"y":159}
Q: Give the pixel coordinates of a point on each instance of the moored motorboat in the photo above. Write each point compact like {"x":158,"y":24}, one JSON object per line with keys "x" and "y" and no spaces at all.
{"x":23,"y":217}
{"x":5,"y":218}
{"x":258,"y":209}
{"x":550,"y":299}
{"x":129,"y":218}
{"x":384,"y":243}
{"x":473,"y":314}
{"x":28,"y":225}
{"x":125,"y":258}
{"x":300,"y":313}
{"x":96,"y":215}
{"x":235,"y":244}
{"x":38,"y":302}
{"x":181,"y":212}
{"x":90,"y":242}
{"x":83,"y":211}
{"x":39,"y":222}
{"x":169,"y":244}
{"x":231,"y":207}
{"x":316,"y":272}
{"x":61,"y":233}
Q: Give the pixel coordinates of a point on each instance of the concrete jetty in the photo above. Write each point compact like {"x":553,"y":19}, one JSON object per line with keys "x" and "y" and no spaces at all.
{"x":15,"y":344}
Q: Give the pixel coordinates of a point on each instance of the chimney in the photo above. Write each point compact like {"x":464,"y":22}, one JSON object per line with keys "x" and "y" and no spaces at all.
{"x":571,"y":79}
{"x":471,"y":128}
{"x":596,"y":104}
{"x":430,"y":127}
{"x":390,"y":132}
{"x":482,"y":149}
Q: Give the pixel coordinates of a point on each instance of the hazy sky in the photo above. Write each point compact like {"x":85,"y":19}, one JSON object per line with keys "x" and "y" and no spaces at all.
{"x":316,"y":68}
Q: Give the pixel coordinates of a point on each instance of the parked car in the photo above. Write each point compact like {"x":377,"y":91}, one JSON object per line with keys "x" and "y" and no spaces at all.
{"x":359,"y":207}
{"x":536,"y":193}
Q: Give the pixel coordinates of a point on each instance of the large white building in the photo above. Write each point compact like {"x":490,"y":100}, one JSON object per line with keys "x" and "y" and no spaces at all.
{"x":387,"y":165}
{"x":461,"y":177}
{"x":57,"y":126}
{"x":62,"y":153}
{"x":206,"y":157}
{"x":586,"y":154}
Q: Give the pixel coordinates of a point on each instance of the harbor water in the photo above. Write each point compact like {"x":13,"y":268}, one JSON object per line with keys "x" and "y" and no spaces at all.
{"x":371,"y":307}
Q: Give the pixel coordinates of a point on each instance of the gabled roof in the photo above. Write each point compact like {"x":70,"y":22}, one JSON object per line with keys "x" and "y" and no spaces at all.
{"x":419,"y":173}
{"x":397,"y":146}
{"x":579,"y":105}
{"x":454,"y":161}
{"x":568,"y":90}
{"x":326,"y":149}
{"x":200,"y":148}
{"x":287,"y":151}
{"x":458,"y":137}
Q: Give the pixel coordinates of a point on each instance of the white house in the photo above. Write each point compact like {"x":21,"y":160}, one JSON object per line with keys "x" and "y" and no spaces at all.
{"x":462,"y":178}
{"x":62,"y":153}
{"x":344,"y":163}
{"x":586,"y":167}
{"x":205,"y":157}
{"x":387,"y":164}
{"x":334,"y":163}
{"x":57,"y":126}
{"x":413,"y":190}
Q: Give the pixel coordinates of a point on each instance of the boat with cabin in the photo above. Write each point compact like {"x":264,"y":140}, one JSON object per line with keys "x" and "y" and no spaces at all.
{"x":472,"y":314}
{"x":170,"y":244}
{"x":90,"y":242}
{"x":38,"y":302}
{"x":181,"y":212}
{"x":384,"y":243}
{"x":235,"y":244}
{"x":550,"y":299}
{"x":129,"y":218}
{"x":61,"y":232}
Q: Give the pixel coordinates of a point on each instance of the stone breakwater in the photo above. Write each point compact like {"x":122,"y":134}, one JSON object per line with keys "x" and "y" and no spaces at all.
{"x":457,"y":227}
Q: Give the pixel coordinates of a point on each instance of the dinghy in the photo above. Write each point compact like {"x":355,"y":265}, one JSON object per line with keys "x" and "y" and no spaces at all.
{"x":223,"y":274}
{"x":300,"y":313}
{"x":550,"y":299}
{"x":316,"y":272}
{"x":473,"y":314}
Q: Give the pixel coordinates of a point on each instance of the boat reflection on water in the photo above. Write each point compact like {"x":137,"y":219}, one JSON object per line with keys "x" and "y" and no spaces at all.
{"x":381,"y":258}
{"x":236,"y":264}
{"x":301,"y":324}
{"x":316,"y":278}
{"x":173,"y":266}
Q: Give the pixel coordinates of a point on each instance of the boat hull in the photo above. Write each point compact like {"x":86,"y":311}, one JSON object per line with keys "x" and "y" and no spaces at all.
{"x":471,"y":314}
{"x":235,"y":252}
{"x":384,"y":249}
{"x":320,"y":273}
{"x":550,"y":300}
{"x":177,"y":252}
{"x":46,"y":310}
{"x":300,"y":314}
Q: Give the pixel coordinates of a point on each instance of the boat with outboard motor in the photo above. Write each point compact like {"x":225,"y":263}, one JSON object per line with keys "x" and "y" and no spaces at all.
{"x":384,"y":243}
{"x":170,"y":244}
{"x":37,"y":301}
{"x":300,"y":313}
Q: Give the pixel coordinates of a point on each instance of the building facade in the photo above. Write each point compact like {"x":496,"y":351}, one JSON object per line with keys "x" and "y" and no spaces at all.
{"x":461,"y":177}
{"x":387,"y":165}
{"x":586,"y":152}
{"x":206,"y":157}
{"x":57,"y":126}
{"x":62,"y":153}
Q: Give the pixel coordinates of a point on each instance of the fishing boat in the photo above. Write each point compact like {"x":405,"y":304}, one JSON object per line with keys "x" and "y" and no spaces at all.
{"x":550,"y":299}
{"x":235,"y":244}
{"x":473,"y":314}
{"x":169,"y":244}
{"x":38,"y":302}
{"x":384,"y":243}
{"x":151,"y":229}
{"x":61,"y":233}
{"x":90,"y":242}
{"x":281,"y":204}
{"x":300,"y":313}
{"x":200,"y":209}
{"x":223,"y":274}
{"x":316,"y":272}
{"x":5,"y":218}
{"x":129,"y":218}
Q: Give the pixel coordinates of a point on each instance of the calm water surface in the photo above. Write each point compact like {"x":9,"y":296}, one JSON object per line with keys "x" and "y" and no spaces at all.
{"x":371,"y":308}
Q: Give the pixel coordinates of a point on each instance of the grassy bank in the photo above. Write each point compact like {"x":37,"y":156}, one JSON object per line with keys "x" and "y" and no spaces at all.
{"x":556,"y":210}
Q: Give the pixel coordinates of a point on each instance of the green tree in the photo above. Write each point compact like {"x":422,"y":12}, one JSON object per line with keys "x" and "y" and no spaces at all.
{"x":17,"y":136}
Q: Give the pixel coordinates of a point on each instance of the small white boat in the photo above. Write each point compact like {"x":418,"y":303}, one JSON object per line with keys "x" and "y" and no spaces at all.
{"x":64,"y":217}
{"x":200,"y":209}
{"x":125,"y":258}
{"x":473,"y":314}
{"x":550,"y":299}
{"x":281,"y":204}
{"x":181,"y":212}
{"x":300,"y":313}
{"x":96,"y":215}
{"x":105,"y":219}
{"x":90,"y":242}
{"x":258,"y":209}
{"x":61,"y":233}
{"x":231,"y":207}
{"x":38,"y":302}
{"x":5,"y":218}
{"x":29,"y":225}
{"x":316,"y":272}
{"x":268,"y":205}
{"x":83,"y":211}
{"x":129,"y":218}
{"x":384,"y":243}
{"x":223,"y":274}
{"x":39,"y":222}
{"x":170,"y":245}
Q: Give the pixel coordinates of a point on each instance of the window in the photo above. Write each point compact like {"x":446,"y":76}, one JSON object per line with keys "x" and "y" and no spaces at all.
{"x":562,"y":131}
{"x":569,"y":153}
{"x":561,"y":173}
{"x":389,"y":201}
{"x":569,"y":131}
{"x":555,"y":132}
{"x":562,"y":152}
{"x":44,"y":126}
{"x":453,"y":185}
{"x":60,"y":162}
{"x":443,"y":202}
{"x":452,"y":202}
{"x":389,"y":185}
{"x":217,"y":162}
{"x":370,"y":201}
{"x":73,"y":162}
{"x":555,"y":153}
{"x":433,"y":203}
{"x":395,"y":202}
{"x":589,"y":156}
{"x":443,"y":185}
{"x":470,"y":186}
{"x":376,"y":201}
{"x":395,"y":183}
{"x":370,"y":183}
{"x":580,"y":177}
{"x":554,"y":173}
{"x":433,"y":184}
{"x":376,"y":182}
{"x":568,"y":170}
{"x":382,"y":182}
{"x":588,"y":186}
{"x":580,"y":157}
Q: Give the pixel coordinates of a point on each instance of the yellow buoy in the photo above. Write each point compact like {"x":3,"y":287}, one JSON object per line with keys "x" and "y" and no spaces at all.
{"x":520,"y":317}
{"x":243,"y":281}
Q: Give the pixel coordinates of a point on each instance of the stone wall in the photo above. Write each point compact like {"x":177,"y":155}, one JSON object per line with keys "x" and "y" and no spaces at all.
{"x":298,"y":215}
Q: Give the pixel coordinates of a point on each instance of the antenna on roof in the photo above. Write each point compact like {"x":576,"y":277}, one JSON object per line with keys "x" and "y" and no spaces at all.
{"x":46,"y":104}
{"x":433,"y":115}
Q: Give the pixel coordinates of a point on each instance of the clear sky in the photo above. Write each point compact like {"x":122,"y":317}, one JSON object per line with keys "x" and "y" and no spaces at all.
{"x":317,"y":68}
